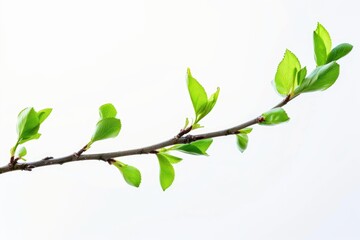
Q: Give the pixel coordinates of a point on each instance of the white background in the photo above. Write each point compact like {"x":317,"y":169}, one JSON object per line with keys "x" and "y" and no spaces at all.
{"x":298,"y":180}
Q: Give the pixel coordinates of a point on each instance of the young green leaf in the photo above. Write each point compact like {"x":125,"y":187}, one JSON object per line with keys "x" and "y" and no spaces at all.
{"x":301,"y":75}
{"x":172,"y":159}
{"x":33,"y":137}
{"x":246,"y":130}
{"x":106,"y":128}
{"x":320,"y":50}
{"x":43,"y":114}
{"x":197,"y":148}
{"x":22,"y":152}
{"x":28,"y":123}
{"x":131,"y":174}
{"x":339,"y":51}
{"x":322,"y":44}
{"x":286,"y":73}
{"x":107,"y":111}
{"x":210,"y":105}
{"x":197,"y":94}
{"x":242,"y":141}
{"x":320,"y":79}
{"x":167,"y":172}
{"x":325,"y":36}
{"x":274,"y":116}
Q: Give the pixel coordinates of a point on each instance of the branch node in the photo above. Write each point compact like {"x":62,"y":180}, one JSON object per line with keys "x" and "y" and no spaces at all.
{"x":260,"y":119}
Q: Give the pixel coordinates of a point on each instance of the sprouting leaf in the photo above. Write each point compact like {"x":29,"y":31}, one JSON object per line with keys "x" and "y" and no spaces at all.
{"x":106,"y":128}
{"x":320,"y":50}
{"x":33,"y":137}
{"x":197,"y":148}
{"x":196,"y":126}
{"x":197,"y":94}
{"x":325,"y":36}
{"x":186,"y":123}
{"x":43,"y":114}
{"x":131,"y":174}
{"x":28,"y":123}
{"x":242,"y":141}
{"x":274,"y":116}
{"x":320,"y":79}
{"x":245,"y":130}
{"x":301,"y":75}
{"x":286,"y":73}
{"x":339,"y":51}
{"x":322,"y":44}
{"x":107,"y":111}
{"x":22,"y":152}
{"x":172,"y":159}
{"x":210,"y":105}
{"x":167,"y":172}
{"x":202,"y":105}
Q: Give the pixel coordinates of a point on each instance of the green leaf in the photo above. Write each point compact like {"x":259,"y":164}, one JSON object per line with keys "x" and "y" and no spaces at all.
{"x":107,"y":111}
{"x":274,"y":116}
{"x":246,"y":130}
{"x":286,"y":73}
{"x":197,"y":148}
{"x":242,"y":141}
{"x":339,"y":51}
{"x":33,"y":137}
{"x":172,"y":159}
{"x":131,"y":174}
{"x":167,"y":172}
{"x":301,"y":75}
{"x":210,"y":104}
{"x":197,"y":94}
{"x":320,"y":79}
{"x":320,"y":50}
{"x":28,"y":123}
{"x":43,"y":114}
{"x":106,"y":128}
{"x":325,"y":36}
{"x":22,"y":152}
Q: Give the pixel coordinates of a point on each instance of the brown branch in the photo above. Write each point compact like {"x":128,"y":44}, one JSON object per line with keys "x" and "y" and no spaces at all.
{"x":180,"y":138}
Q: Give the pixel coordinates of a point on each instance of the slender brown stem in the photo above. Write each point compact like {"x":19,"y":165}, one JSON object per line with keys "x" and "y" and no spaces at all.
{"x":181,"y":137}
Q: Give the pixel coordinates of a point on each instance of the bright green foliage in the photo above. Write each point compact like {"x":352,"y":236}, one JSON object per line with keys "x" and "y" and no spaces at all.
{"x":167,"y":172}
{"x":339,"y":51}
{"x":285,"y":77}
{"x":202,"y":105}
{"x":43,"y":114}
{"x":172,"y":159}
{"x":131,"y":174}
{"x":320,"y":79}
{"x":106,"y":128}
{"x":107,"y":111}
{"x":322,"y":44}
{"x":197,"y":148}
{"x":245,"y":130}
{"x":242,"y":141}
{"x":22,"y":153}
{"x":301,"y":75}
{"x":109,"y":126}
{"x":28,"y":125}
{"x":274,"y":116}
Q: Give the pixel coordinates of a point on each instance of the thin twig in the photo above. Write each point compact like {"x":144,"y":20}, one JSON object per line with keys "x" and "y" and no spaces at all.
{"x":180,"y":138}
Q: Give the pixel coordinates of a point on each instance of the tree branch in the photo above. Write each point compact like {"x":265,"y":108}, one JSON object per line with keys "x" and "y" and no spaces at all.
{"x":181,"y":138}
